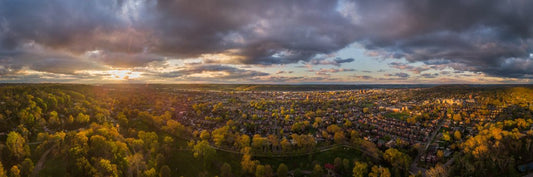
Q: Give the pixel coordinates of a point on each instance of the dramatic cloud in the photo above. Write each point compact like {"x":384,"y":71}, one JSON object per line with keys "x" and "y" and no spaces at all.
{"x":400,"y":75}
{"x":414,"y":69}
{"x":212,"y":71}
{"x":493,"y":37}
{"x":484,"y":35}
{"x":323,"y":71}
{"x":363,"y":77}
{"x":427,"y":75}
{"x":335,"y":62}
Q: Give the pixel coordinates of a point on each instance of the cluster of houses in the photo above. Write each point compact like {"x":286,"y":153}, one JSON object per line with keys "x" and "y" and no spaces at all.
{"x":311,"y":112}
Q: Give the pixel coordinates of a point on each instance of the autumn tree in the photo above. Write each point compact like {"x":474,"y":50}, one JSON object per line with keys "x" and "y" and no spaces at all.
{"x":150,"y":173}
{"x":2,"y":171}
{"x":440,"y":154}
{"x":14,"y":171}
{"x":16,"y":144}
{"x":397,"y":159}
{"x":203,"y":151}
{"x":82,"y":118}
{"x":285,"y":145}
{"x":106,"y":168}
{"x":360,"y":169}
{"x":333,"y":128}
{"x":205,"y":135}
{"x":457,"y":135}
{"x":379,"y":172}
{"x":339,"y":137}
{"x":53,"y":120}
{"x":243,"y":141}
{"x":219,"y":135}
{"x":446,"y":136}
{"x":437,"y":171}
{"x":247,"y":164}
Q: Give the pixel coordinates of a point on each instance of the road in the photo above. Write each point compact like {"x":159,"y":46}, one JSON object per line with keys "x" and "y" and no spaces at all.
{"x":294,"y":154}
{"x":40,"y":163}
{"x":414,"y":169}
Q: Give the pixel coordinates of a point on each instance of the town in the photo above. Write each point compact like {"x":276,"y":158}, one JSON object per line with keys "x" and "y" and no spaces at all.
{"x":231,"y":131}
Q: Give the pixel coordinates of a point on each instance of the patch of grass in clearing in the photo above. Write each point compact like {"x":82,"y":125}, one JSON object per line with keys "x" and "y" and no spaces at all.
{"x":183,"y":163}
{"x":397,"y":115}
{"x":54,"y":167}
{"x":306,"y":162}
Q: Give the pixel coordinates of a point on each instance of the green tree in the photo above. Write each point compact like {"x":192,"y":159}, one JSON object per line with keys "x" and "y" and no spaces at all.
{"x":260,"y":171}
{"x":337,"y":163}
{"x":317,"y":171}
{"x":268,"y":171}
{"x":346,"y":165}
{"x":225,"y":170}
{"x":283,"y":170}
{"x":164,"y":171}
{"x":27,"y":167}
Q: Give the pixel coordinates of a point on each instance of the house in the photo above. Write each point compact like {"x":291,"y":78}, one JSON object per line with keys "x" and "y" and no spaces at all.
{"x":330,"y":168}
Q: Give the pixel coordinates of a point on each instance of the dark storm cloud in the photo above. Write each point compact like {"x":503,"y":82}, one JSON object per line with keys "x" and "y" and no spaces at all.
{"x":34,"y":57}
{"x":428,"y":75}
{"x":481,"y":34}
{"x":400,"y":75}
{"x":490,"y":36}
{"x":55,"y":23}
{"x":414,"y":69}
{"x":255,"y":32}
{"x":324,"y":71}
{"x":64,"y":31}
{"x":335,"y":62}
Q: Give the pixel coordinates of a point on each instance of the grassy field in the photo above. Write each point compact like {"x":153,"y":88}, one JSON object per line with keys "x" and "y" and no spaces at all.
{"x":306,"y":162}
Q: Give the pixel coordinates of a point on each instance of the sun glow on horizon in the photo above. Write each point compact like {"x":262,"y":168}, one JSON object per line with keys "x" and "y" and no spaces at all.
{"x":114,"y":74}
{"x":123,"y":74}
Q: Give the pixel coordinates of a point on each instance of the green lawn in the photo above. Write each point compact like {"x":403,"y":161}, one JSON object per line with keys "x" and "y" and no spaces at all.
{"x":306,"y":162}
{"x":54,"y":167}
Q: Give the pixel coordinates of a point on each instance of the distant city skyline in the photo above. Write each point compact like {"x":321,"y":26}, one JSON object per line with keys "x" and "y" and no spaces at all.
{"x":267,"y":42}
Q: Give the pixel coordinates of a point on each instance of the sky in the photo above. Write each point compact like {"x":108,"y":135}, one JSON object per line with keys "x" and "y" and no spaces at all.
{"x":267,"y":42}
